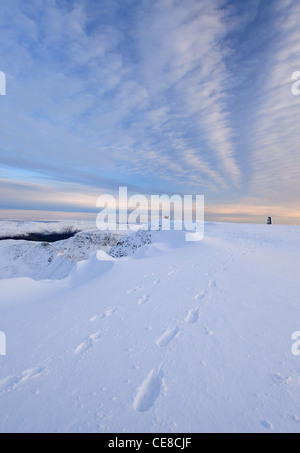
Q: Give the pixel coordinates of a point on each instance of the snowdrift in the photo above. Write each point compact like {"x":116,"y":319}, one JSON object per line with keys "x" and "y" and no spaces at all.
{"x":175,"y":337}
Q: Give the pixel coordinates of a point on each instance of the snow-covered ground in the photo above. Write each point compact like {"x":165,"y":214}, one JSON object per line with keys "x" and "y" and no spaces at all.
{"x":176,"y":337}
{"x":44,"y":260}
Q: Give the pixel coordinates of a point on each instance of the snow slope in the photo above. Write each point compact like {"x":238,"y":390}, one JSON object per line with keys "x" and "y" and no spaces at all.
{"x":85,"y":242}
{"x":38,"y":260}
{"x":43,"y":260}
{"x":178,"y":337}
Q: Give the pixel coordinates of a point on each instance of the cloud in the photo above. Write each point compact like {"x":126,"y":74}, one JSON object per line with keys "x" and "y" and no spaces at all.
{"x":161,"y":96}
{"x":47,"y":196}
{"x":188,"y":74}
{"x":276,"y":133}
{"x":92,"y":95}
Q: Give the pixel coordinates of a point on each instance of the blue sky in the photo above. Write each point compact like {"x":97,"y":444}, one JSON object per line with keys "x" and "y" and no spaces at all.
{"x":161,"y":96}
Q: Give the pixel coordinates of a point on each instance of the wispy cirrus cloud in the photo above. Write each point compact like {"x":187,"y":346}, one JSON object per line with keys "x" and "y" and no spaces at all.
{"x":96,"y":95}
{"x":160,"y":96}
{"x":276,"y":157}
{"x":189,"y":73}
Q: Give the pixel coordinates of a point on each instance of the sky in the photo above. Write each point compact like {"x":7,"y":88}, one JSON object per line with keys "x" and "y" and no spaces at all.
{"x":161,"y":97}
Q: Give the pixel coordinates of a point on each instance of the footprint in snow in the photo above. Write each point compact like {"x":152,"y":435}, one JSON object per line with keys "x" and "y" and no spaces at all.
{"x":156,"y":281}
{"x":107,"y":313}
{"x":199,"y":295}
{"x":209,"y":332}
{"x":144,"y":299}
{"x":149,"y":391}
{"x":282,"y":381}
{"x":85,"y":345}
{"x":15,"y":382}
{"x":192,"y":316}
{"x":266,"y":424}
{"x":133,"y":290}
{"x":212,"y":283}
{"x":167,"y":336}
{"x":94,"y":318}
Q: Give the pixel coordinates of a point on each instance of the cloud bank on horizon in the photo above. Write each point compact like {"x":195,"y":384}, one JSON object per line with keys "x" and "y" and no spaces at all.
{"x":165,"y":96}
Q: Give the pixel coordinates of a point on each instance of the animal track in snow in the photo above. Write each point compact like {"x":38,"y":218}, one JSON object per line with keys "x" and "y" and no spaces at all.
{"x":266,"y":424}
{"x":156,"y":281}
{"x":171,"y":272}
{"x":133,"y":290}
{"x":192,"y":316}
{"x":107,"y":313}
{"x":88,"y":343}
{"x":208,"y":332}
{"x":14,"y":382}
{"x":144,"y":299}
{"x":212,"y":283}
{"x":94,"y":318}
{"x":167,"y":336}
{"x":280,"y":380}
{"x":199,"y":295}
{"x":149,"y":390}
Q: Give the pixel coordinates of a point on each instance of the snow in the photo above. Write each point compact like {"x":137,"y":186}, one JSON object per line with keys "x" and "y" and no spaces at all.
{"x":85,"y":242}
{"x":38,"y":260}
{"x":43,"y":260}
{"x":170,"y":336}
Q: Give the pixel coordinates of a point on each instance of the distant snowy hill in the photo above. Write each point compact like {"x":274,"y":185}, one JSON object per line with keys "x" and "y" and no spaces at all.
{"x":176,"y":337}
{"x":37,"y":260}
{"x":43,"y":260}
{"x":17,"y":228}
{"x":83,"y":243}
{"x":129,"y":244}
